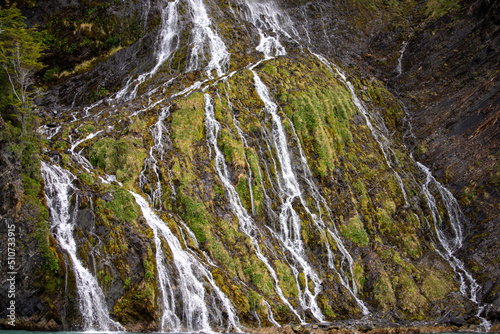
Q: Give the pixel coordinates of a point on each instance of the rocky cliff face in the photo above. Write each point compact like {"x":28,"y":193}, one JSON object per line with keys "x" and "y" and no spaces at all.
{"x":251,"y":164}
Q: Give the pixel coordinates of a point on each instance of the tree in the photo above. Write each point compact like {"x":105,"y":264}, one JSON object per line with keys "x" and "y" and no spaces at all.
{"x":20,"y":50}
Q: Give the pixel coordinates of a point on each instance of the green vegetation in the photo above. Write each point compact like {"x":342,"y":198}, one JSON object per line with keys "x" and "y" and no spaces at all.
{"x":287,"y":281}
{"x":20,"y":50}
{"x":123,"y":205}
{"x":87,"y":178}
{"x":413,"y":303}
{"x":256,"y":271}
{"x":47,"y":245}
{"x":434,"y":9}
{"x":80,"y":36}
{"x":383,"y":292}
{"x":188,"y":124}
{"x":355,"y":231}
{"x":436,"y":286}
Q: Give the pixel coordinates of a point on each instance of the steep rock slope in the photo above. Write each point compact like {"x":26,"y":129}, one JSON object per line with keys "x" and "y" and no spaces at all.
{"x":283,"y":183}
{"x":450,"y":85}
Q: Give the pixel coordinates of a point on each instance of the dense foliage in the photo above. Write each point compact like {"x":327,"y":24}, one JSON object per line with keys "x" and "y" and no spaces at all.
{"x":20,"y":51}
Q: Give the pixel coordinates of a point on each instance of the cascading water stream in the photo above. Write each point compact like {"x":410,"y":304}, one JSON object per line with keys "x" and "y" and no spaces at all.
{"x":191,"y":273}
{"x":284,"y":159}
{"x":268,"y":19}
{"x":190,"y":282}
{"x":270,"y":315}
{"x":399,"y":67}
{"x":168,"y":43}
{"x":449,"y":244}
{"x":92,"y":304}
{"x":202,"y":31}
{"x":245,"y":145}
{"x":376,"y":130}
{"x":289,"y":190}
{"x":246,"y":223}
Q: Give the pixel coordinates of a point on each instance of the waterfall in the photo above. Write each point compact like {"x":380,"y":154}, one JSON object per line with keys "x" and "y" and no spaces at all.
{"x":169,"y":320}
{"x":246,"y":223}
{"x":270,"y":315}
{"x":236,"y":124}
{"x":90,"y":136}
{"x":191,"y":273}
{"x":450,"y":242}
{"x":320,"y":224}
{"x":190,"y":283}
{"x":399,"y":67}
{"x":204,"y":39}
{"x":269,"y":20}
{"x":92,"y":304}
{"x":168,"y":42}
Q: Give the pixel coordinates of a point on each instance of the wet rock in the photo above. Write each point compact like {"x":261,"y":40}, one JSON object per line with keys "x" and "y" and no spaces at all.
{"x":108,"y":196}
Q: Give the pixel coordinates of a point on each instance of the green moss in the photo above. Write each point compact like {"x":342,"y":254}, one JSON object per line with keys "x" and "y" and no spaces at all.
{"x":325,"y":306}
{"x":383,"y":292}
{"x":218,"y":190}
{"x":386,"y":223}
{"x":137,"y":127}
{"x":257,"y":191}
{"x":47,"y":246}
{"x":244,"y":193}
{"x":61,"y":145}
{"x":256,"y":271}
{"x":234,"y":151}
{"x":412,"y":246}
{"x":359,"y":276}
{"x":195,"y":215}
{"x":287,"y":281}
{"x":137,"y":304}
{"x":355,"y":231}
{"x":218,"y":252}
{"x":411,"y":302}
{"x":86,"y":128}
{"x":123,"y":205}
{"x":434,"y":9}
